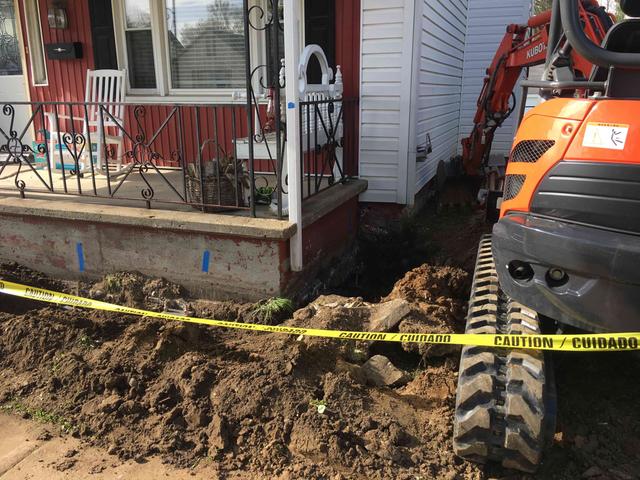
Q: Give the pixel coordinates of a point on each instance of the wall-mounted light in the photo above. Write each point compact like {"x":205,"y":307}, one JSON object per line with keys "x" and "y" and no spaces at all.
{"x":57,"y":15}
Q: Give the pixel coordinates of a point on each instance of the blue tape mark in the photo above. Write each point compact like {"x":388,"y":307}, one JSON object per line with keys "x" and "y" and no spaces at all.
{"x":291,"y":105}
{"x":80,"y":252}
{"x":206,"y":257}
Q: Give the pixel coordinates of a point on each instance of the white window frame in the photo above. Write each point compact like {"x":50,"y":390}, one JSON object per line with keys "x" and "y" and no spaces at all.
{"x":29,"y":34}
{"x":159,"y":31}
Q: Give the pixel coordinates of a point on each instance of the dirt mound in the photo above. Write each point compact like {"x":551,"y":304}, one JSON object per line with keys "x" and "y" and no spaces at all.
{"x":141,"y":387}
{"x":133,"y":289}
{"x":439,"y":297}
{"x":13,"y":272}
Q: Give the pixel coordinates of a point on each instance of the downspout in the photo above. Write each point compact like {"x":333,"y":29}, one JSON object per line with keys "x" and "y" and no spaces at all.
{"x":413,"y":115}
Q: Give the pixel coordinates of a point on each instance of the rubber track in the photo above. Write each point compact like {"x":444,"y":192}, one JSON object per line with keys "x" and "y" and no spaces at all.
{"x":500,"y":402}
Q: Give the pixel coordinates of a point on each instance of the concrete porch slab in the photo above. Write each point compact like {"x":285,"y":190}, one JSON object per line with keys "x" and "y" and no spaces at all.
{"x":212,"y":255}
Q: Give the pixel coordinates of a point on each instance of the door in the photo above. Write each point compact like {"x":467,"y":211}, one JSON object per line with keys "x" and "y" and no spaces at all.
{"x":320,"y":29}
{"x":104,"y":40}
{"x":13,"y":81}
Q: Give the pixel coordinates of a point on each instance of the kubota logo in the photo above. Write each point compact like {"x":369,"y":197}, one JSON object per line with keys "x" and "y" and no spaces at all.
{"x":536,"y":50}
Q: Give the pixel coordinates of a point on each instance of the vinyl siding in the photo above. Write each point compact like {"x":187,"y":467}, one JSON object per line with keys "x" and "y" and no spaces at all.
{"x":440,"y":66}
{"x":385,"y":97}
{"x":487,"y":21}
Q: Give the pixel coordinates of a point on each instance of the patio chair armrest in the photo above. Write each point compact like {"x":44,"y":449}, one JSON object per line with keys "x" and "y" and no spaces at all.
{"x":51,"y":120}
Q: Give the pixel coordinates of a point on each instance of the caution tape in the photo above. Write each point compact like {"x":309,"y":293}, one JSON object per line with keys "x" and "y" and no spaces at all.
{"x":587,"y":342}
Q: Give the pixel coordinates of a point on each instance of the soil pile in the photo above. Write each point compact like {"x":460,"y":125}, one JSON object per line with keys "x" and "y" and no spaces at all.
{"x":245,"y":405}
{"x":231,"y":401}
{"x":438,"y":295}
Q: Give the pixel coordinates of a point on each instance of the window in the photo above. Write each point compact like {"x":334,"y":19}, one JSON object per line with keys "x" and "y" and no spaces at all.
{"x":34,"y":38}
{"x":138,"y":36}
{"x":182,"y":46}
{"x":10,"y":63}
{"x":206,"y":44}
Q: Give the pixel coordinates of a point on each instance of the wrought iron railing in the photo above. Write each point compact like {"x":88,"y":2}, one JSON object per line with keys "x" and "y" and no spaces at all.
{"x":329,"y":143}
{"x":195,"y":155}
{"x":154,"y":154}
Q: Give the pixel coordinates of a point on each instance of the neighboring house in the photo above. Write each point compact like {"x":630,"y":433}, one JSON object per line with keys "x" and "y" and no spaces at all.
{"x":410,"y":73}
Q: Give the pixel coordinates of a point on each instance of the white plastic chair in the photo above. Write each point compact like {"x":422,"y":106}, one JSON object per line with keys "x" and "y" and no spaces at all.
{"x":104,"y":91}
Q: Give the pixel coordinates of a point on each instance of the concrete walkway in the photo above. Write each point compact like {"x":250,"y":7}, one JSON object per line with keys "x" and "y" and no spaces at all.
{"x":27,"y":452}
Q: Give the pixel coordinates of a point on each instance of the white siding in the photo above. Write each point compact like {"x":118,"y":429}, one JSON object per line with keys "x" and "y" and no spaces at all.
{"x":385,"y":92}
{"x":441,"y":37}
{"x":533,"y":98}
{"x":486,"y":24}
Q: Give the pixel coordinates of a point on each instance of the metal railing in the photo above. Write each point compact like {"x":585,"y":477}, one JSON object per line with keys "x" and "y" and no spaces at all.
{"x":173,"y":154}
{"x":329,"y":143}
{"x":154,"y":153}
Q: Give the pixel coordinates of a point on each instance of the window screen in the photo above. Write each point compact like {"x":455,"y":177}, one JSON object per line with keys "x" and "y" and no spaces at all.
{"x":141,"y":65}
{"x":206,"y":43}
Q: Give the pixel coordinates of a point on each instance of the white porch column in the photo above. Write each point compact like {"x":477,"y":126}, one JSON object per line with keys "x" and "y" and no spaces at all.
{"x":292,"y":18}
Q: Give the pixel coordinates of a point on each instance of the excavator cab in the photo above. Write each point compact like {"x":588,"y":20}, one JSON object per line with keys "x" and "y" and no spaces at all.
{"x":566,"y":249}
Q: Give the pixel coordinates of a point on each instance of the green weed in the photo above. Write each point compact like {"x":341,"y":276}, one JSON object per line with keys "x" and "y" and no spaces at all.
{"x":39,"y":415}
{"x":274,"y":308}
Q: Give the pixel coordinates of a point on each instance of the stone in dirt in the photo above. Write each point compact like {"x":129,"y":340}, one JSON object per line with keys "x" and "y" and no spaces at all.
{"x":218,"y":435}
{"x":386,"y":316}
{"x":592,"y":472}
{"x":382,"y":373}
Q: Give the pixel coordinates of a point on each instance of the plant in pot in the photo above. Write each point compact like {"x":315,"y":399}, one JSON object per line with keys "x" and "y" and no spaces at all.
{"x":217,"y":184}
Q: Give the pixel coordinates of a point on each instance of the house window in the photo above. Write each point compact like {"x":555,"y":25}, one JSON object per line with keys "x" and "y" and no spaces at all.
{"x":180,"y":47}
{"x":206,"y":44}
{"x":36,"y":46}
{"x":139,"y":40}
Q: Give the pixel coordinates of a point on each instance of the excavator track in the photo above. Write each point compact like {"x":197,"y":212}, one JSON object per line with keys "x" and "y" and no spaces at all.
{"x":505,"y":403}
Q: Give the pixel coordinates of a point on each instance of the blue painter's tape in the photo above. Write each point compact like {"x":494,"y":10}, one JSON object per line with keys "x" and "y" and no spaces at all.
{"x":80,"y":252}
{"x":291,"y":105}
{"x":206,"y":257}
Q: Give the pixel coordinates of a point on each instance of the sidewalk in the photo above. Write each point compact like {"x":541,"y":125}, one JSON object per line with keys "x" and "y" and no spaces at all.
{"x":27,"y":451}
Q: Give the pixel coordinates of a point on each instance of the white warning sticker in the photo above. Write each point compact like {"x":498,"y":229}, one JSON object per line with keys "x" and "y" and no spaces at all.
{"x":606,"y":135}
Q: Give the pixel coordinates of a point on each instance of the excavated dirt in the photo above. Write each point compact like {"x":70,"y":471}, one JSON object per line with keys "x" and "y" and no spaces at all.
{"x":233,"y":404}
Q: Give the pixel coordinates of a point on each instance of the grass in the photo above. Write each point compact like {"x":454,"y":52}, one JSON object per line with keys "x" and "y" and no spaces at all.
{"x":112,"y":283}
{"x":39,"y":415}
{"x":274,"y":308}
{"x":86,"y":343}
{"x":57,"y":359}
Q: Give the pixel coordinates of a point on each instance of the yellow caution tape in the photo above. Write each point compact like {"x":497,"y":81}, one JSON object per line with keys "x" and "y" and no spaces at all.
{"x":589,"y":342}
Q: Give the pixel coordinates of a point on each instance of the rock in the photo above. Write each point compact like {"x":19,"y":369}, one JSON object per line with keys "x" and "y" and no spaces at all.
{"x":592,"y":472}
{"x":218,"y":433}
{"x":382,"y":373}
{"x":386,"y":316}
{"x":110,"y":404}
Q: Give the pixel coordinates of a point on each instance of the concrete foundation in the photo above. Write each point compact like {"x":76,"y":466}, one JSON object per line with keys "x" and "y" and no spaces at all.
{"x":213,"y":256}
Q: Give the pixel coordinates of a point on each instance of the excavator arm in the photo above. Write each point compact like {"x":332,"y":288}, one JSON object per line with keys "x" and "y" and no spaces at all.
{"x":521,"y":47}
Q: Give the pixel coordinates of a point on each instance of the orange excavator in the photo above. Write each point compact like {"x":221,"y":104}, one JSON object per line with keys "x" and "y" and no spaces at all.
{"x":523,"y":46}
{"x":564,"y":254}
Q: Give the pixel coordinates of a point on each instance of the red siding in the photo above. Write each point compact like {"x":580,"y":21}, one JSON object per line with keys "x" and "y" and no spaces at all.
{"x":348,"y":44}
{"x":66,"y":77}
{"x":67,"y":84}
{"x":348,"y":56}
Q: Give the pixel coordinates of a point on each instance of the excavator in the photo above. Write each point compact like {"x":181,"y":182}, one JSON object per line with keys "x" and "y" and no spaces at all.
{"x":522,"y":47}
{"x":564,"y":252}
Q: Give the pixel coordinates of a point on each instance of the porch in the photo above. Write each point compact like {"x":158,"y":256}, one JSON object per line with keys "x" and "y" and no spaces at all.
{"x":243,"y":193}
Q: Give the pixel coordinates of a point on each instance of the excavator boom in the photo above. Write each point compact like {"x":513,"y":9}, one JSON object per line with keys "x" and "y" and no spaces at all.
{"x":521,"y":47}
